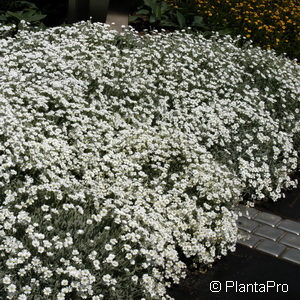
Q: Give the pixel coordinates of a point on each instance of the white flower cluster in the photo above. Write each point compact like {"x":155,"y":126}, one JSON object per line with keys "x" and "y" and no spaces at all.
{"x":122,"y":158}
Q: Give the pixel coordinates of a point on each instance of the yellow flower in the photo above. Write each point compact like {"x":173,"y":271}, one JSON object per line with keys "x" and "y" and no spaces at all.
{"x":272,"y":18}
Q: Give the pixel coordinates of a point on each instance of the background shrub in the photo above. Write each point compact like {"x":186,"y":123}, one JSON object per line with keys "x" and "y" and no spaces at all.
{"x":36,"y":12}
{"x":56,"y":11}
{"x":270,"y":24}
{"x":12,"y":12}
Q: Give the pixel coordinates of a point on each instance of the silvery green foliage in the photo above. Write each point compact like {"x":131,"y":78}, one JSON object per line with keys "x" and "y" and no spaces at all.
{"x":122,"y":156}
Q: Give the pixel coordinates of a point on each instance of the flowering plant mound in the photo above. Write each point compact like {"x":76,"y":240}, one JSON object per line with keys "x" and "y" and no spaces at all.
{"x":122,"y":157}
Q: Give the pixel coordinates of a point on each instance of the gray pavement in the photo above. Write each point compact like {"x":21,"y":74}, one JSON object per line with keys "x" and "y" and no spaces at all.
{"x":270,"y":234}
{"x":116,"y":20}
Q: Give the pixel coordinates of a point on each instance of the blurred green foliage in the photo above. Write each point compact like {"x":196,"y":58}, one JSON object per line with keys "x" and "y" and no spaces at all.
{"x":159,"y":14}
{"x":12,"y":12}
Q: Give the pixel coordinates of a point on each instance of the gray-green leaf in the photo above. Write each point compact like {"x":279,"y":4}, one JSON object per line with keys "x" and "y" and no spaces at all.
{"x":180,"y":19}
{"x":152,"y":19}
{"x":143,"y":12}
{"x":133,"y":18}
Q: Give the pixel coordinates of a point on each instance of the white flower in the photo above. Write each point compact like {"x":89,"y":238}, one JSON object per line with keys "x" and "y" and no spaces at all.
{"x":27,"y":289}
{"x":6,"y":279}
{"x":64,"y":282}
{"x":41,"y":249}
{"x":108,"y":247}
{"x":96,"y":264}
{"x":60,"y":296}
{"x":114,"y":263}
{"x":47,"y":291}
{"x":11,"y":288}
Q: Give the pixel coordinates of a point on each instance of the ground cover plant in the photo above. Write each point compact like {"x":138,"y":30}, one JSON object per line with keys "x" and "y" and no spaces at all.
{"x":123,"y":157}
